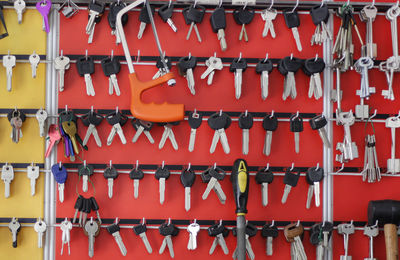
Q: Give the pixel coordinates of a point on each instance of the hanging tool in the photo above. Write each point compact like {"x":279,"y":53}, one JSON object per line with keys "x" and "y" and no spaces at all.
{"x":150,"y":112}
{"x":240,"y":184}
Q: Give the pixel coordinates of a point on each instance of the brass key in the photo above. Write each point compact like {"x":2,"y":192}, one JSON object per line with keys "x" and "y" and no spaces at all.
{"x":70,"y":129}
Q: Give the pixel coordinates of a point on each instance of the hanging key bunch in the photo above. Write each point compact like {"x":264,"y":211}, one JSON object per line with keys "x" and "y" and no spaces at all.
{"x":112,"y":17}
{"x":320,"y":15}
{"x":243,"y":16}
{"x":69,"y":132}
{"x":96,"y":11}
{"x":16,"y":118}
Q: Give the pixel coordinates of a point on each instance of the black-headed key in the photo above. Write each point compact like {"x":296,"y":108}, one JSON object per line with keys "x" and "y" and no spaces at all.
{"x":296,"y":126}
{"x":144,"y":19}
{"x":85,"y":66}
{"x":290,"y":180}
{"x":219,"y":122}
{"x":142,"y":126}
{"x":195,"y":119}
{"x":114,"y":231}
{"x":314,"y":176}
{"x":168,"y":230}
{"x":112,"y":18}
{"x":238,"y":66}
{"x":318,"y":123}
{"x":140,"y":230}
{"x":95,"y":207}
{"x":313,"y":67}
{"x":111,"y":67}
{"x":160,"y":66}
{"x":187,"y":179}
{"x":136,"y":174}
{"x":165,"y":12}
{"x":162,"y":174}
{"x":186,"y":66}
{"x":77,"y":207}
{"x":85,"y":171}
{"x":96,"y":10}
{"x":110,"y":174}
{"x":219,"y":231}
{"x":91,"y":120}
{"x":243,"y":16}
{"x":270,"y":124}
{"x":245,"y":123}
{"x":117,"y":120}
{"x":288,"y":67}
{"x":218,"y":25}
{"x":264,"y":68}
{"x":195,"y":15}
{"x":269,"y":232}
{"x":264,"y":177}
{"x":320,"y":15}
{"x":292,"y":21}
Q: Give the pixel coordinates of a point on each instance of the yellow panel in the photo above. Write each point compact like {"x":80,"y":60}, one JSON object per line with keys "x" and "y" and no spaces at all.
{"x":27,"y":245}
{"x":26,"y":37}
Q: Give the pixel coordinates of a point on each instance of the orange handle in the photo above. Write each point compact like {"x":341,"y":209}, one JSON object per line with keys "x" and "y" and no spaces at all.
{"x":391,"y":241}
{"x":152,"y":112}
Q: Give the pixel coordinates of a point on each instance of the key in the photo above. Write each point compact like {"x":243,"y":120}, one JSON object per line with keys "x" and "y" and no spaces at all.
{"x":193,"y":229}
{"x":142,"y":126}
{"x":348,"y":148}
{"x":92,"y":229}
{"x":320,"y":16}
{"x":85,"y":210}
{"x":165,"y":12}
{"x":16,"y":118}
{"x":313,"y":67}
{"x":194,"y":15}
{"x":61,"y":64}
{"x":270,"y":124}
{"x":54,"y":137}
{"x":219,"y":231}
{"x":140,"y":230}
{"x":264,"y":177}
{"x":66,"y":116}
{"x":32,"y":172}
{"x":168,"y":134}
{"x":371,"y":166}
{"x":68,"y":9}
{"x":219,"y":122}
{"x":14,"y":226}
{"x":213,"y":64}
{"x":117,"y":120}
{"x":70,"y":128}
{"x":95,"y":207}
{"x":371,"y":232}
{"x":40,"y":227}
{"x":44,"y":8}
{"x":110,"y":174}
{"x":111,"y":67}
{"x":264,"y":68}
{"x":136,"y":175}
{"x":195,"y":119}
{"x":144,"y":20}
{"x":346,"y":230}
{"x":290,"y":180}
{"x":85,"y":171}
{"x":288,"y":67}
{"x":318,"y":123}
{"x":327,"y":228}
{"x":162,"y":174}
{"x":269,"y":15}
{"x":296,"y":126}
{"x":168,"y":230}
{"x":7,"y":175}
{"x":393,"y":164}
{"x":91,"y":120}
{"x":314,"y":176}
{"x":19,"y":6}
{"x":218,"y":25}
{"x":112,"y":18}
{"x":186,"y":66}
{"x":317,"y":241}
{"x":187,"y":179}
{"x":41,"y":117}
{"x":66,"y":227}
{"x":368,"y":15}
{"x":213,"y":175}
{"x":238,"y":66}
{"x":9,"y":64}
{"x":85,"y":66}
{"x":114,"y":231}
{"x":96,"y":10}
{"x":243,"y":16}
{"x":269,"y":232}
{"x":34,"y":60}
{"x":160,"y":66}
{"x":293,"y":233}
{"x":245,"y":123}
{"x":78,"y":206}
{"x":292,"y":21}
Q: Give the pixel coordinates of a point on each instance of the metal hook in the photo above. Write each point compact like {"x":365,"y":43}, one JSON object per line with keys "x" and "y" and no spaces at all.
{"x":323,"y":224}
{"x":272,"y":114}
{"x":62,"y":52}
{"x":110,"y":163}
{"x":317,"y":168}
{"x":84,"y":163}
{"x":169,"y":3}
{"x":266,"y":57}
{"x":189,"y":165}
{"x":116,"y":110}
{"x":195,"y":221}
{"x":215,"y":54}
{"x":398,"y":116}
{"x":143,"y":221}
{"x":240,"y":56}
{"x":376,"y":223}
{"x":351,"y":222}
{"x":322,"y":3}
{"x":220,"y":3}
{"x":245,"y":5}
{"x":60,"y":165}
{"x":163,"y":164}
{"x":195,"y":2}
{"x":86,"y":54}
{"x":341,"y":169}
{"x":112,"y":54}
{"x":272,"y":4}
{"x":190,"y":55}
{"x":297,"y":4}
{"x":169,"y":221}
{"x":291,"y":56}
{"x":220,"y":222}
{"x":348,"y":2}
{"x":8,"y":52}
{"x":116,"y":220}
{"x":316,"y":57}
{"x":91,"y":220}
{"x":137,"y":164}
{"x":246,"y":113}
{"x":298,"y":223}
{"x":266,"y":168}
{"x":291,"y":169}
{"x":215,"y":166}
{"x":138,"y":56}
{"x":272,"y":224}
{"x":373,"y":115}
{"x":91,"y":109}
{"x":220,"y":112}
{"x":66,"y":108}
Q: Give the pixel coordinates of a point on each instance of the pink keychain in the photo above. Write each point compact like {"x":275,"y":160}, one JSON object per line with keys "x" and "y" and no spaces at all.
{"x":55,"y":136}
{"x":44,"y":8}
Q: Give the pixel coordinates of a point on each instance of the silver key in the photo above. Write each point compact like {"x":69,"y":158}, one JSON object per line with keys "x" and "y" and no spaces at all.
{"x":269,"y":15}
{"x":270,"y":124}
{"x":14,"y":226}
{"x":195,"y":120}
{"x":393,"y":164}
{"x":9,"y":64}
{"x":110,"y":173}
{"x":168,"y":134}
{"x":290,"y":180}
{"x":346,"y":230}
{"x":65,"y":227}
{"x":193,"y":229}
{"x":296,"y":37}
{"x":140,"y":230}
{"x":168,"y":241}
{"x":216,"y":174}
{"x":40,"y":227}
{"x":61,"y":63}
{"x":142,"y":126}
{"x":116,"y":129}
{"x":33,"y":174}
{"x":19,"y":6}
{"x":219,"y":240}
{"x":368,"y":15}
{"x":371,"y":232}
{"x":91,"y":227}
{"x":114,"y":231}
{"x":348,"y":148}
{"x":249,"y":249}
{"x":7,"y":175}
{"x":34,"y":60}
{"x":245,"y":123}
{"x":162,"y":174}
{"x":213,"y":63}
{"x":41,"y":117}
{"x":218,"y":122}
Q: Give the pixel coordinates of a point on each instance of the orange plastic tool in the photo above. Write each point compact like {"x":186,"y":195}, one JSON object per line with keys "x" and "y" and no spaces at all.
{"x":152,"y":112}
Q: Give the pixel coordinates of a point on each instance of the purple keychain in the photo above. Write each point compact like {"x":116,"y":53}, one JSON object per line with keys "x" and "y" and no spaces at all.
{"x":44,"y":8}
{"x":60,"y":175}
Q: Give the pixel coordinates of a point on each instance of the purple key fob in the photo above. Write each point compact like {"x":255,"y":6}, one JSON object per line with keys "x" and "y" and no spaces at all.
{"x":44,"y":9}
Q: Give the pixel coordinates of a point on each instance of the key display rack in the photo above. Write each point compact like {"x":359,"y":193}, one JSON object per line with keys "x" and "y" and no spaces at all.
{"x":344,"y":195}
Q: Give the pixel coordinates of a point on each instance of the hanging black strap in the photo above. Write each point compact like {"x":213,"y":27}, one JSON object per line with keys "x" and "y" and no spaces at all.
{"x":3,"y":22}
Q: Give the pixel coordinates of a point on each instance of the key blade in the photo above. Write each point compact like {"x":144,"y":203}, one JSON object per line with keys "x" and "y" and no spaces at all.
{"x":296,"y":37}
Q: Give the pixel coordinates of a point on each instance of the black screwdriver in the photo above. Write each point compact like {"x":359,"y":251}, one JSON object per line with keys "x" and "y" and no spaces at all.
{"x":240,"y":184}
